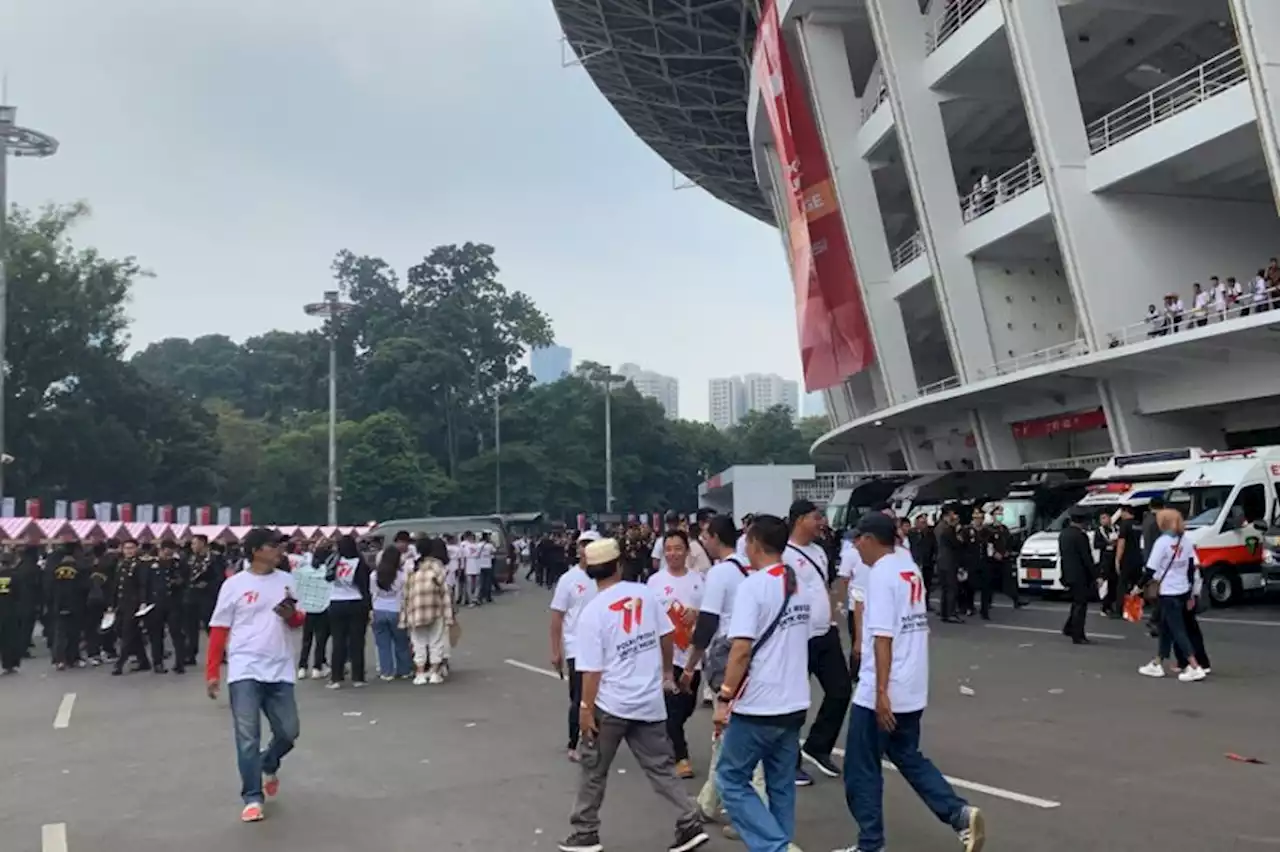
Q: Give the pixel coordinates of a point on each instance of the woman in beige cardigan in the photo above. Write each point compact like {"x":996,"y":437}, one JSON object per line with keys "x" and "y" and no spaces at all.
{"x":426,"y":611}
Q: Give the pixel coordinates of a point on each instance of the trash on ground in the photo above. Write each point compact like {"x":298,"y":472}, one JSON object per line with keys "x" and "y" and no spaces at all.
{"x":967,"y":690}
{"x":1056,"y":691}
{"x":353,"y":713}
{"x":1239,"y":758}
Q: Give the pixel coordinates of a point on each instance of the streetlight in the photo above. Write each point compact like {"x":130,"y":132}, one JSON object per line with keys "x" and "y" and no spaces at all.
{"x":608,"y":377}
{"x":331,"y":308}
{"x":20,"y":142}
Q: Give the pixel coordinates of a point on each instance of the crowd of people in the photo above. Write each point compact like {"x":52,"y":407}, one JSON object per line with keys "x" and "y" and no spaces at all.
{"x":1219,"y":301}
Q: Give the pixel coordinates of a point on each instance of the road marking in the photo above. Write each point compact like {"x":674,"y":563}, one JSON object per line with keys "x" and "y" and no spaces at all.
{"x":1251,"y":622}
{"x":534,"y":669}
{"x":1048,"y":630}
{"x":63,"y":717}
{"x":974,"y":786}
{"x":53,"y":837}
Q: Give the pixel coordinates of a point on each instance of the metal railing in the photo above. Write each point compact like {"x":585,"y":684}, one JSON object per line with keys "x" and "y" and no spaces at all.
{"x":954,"y":15}
{"x":939,"y":386}
{"x":990,"y":194}
{"x":1161,"y":325}
{"x":1219,"y":74}
{"x":1085,"y":462}
{"x":1048,"y":355}
{"x":908,"y":251}
{"x":823,"y":486}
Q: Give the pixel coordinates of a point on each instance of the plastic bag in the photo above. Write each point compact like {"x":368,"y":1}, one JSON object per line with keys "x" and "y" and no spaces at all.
{"x":1133,"y":608}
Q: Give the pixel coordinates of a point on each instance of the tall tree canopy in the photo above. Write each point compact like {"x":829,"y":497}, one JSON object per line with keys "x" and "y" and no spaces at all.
{"x":427,"y":362}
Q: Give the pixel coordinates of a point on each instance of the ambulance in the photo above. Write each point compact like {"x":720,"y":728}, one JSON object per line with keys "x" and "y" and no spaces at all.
{"x":1229,"y":499}
{"x":1127,"y":480}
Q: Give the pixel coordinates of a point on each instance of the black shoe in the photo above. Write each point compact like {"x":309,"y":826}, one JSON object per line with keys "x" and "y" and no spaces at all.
{"x":160,"y":669}
{"x":179,"y":670}
{"x":1019,"y":604}
{"x":824,"y":764}
{"x":137,"y":668}
{"x":581,"y":841}
{"x":116,"y":672}
{"x":688,"y":838}
{"x":986,"y":616}
{"x":952,"y":620}
{"x":1083,"y":640}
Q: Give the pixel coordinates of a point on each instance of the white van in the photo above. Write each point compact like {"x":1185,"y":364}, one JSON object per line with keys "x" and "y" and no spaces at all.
{"x":1128,"y":480}
{"x":1228,"y":498}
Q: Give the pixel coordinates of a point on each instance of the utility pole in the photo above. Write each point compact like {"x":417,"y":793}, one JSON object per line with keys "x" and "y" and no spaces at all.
{"x":331,"y":309}
{"x":497,"y":452}
{"x":20,"y":142}
{"x":608,"y":377}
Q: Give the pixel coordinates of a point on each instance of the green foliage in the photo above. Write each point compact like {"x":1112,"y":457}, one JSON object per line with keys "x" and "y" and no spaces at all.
{"x":420,"y":361}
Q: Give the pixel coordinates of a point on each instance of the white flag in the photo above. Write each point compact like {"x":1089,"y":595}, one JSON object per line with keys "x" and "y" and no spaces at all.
{"x":224,"y":516}
{"x":60,"y":509}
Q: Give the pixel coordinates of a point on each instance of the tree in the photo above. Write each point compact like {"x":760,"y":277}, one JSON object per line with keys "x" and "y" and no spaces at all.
{"x":770,"y":437}
{"x":382,"y":474}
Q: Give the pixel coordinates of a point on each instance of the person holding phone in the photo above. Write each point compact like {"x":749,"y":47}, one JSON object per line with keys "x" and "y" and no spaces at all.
{"x":252,"y":624}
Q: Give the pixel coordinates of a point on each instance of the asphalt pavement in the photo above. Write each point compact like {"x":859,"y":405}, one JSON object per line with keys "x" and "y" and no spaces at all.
{"x":1063,"y":747}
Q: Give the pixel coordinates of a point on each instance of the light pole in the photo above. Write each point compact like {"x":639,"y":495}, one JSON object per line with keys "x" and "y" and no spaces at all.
{"x":20,"y":142}
{"x":331,"y":308}
{"x":608,"y":377}
{"x":497,"y":452}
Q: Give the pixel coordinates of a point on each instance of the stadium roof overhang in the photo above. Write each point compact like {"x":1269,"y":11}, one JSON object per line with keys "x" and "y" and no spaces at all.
{"x":677,"y":71}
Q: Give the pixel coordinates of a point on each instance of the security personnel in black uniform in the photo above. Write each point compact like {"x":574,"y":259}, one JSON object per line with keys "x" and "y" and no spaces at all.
{"x":67,"y":580}
{"x":204,"y":577}
{"x":163,"y":586}
{"x":994,"y":572}
{"x":125,"y":599}
{"x":101,"y":567}
{"x":13,"y":642}
{"x":30,"y":595}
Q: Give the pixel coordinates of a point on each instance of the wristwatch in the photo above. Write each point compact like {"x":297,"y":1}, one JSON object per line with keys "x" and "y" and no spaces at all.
{"x":724,"y":699}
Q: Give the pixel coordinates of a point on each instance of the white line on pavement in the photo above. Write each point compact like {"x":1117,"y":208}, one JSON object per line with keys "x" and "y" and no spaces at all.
{"x":534,"y":669}
{"x":53,"y":837}
{"x":973,"y":786}
{"x":1251,"y":622}
{"x":63,"y":717}
{"x":1048,"y":630}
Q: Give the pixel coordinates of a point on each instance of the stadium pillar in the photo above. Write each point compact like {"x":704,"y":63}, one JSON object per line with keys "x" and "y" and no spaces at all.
{"x":899,"y":31}
{"x":837,"y":110}
{"x":1257,"y":23}
{"x":919,"y":454}
{"x":1133,"y":432}
{"x":997,"y":448}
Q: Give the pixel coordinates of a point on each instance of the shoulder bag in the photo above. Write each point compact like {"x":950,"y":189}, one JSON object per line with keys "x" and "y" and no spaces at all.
{"x":1151,"y":591}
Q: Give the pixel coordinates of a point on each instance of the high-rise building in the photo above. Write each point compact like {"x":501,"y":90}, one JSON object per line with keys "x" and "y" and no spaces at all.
{"x":550,"y":363}
{"x":727,"y":401}
{"x":1027,"y":193}
{"x":814,"y":405}
{"x":665,"y":389}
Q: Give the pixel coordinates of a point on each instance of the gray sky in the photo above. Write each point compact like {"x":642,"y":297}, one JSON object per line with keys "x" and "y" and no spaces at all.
{"x":235,"y":145}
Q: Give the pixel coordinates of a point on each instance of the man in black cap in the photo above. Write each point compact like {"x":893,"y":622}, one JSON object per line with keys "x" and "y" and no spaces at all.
{"x":126,"y":597}
{"x":1079,"y":572}
{"x":950,"y":554}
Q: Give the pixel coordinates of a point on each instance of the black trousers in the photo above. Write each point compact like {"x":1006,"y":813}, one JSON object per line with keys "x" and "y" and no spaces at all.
{"x":348,"y":625}
{"x":828,"y":665}
{"x":575,"y":700}
{"x":66,"y":637}
{"x":1197,"y":641}
{"x":315,"y":629}
{"x":926,"y":572}
{"x":680,"y":706}
{"x":89,"y":626}
{"x":191,"y":613}
{"x":165,"y":617}
{"x":129,"y":629}
{"x":13,"y":643}
{"x":994,"y":576}
{"x":1074,"y":626}
{"x":949,"y":577}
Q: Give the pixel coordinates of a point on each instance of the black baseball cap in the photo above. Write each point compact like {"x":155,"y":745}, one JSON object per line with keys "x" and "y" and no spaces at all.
{"x":800,"y":508}
{"x":258,"y":538}
{"x":879,"y":526}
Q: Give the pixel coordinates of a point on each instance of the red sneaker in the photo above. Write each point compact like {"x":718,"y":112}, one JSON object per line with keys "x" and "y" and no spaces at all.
{"x":271,"y":785}
{"x":252,"y":813}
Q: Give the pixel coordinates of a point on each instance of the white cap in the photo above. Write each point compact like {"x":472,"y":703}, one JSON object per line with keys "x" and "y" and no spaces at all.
{"x":589,"y":535}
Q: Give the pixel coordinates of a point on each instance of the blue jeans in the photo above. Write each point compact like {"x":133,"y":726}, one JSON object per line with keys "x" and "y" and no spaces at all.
{"x":250,"y":701}
{"x":865,"y":748}
{"x":763,"y":828}
{"x":392,"y":643}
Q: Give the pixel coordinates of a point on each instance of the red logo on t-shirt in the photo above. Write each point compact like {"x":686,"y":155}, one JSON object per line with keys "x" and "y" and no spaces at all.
{"x":917,"y":585}
{"x":631,"y":612}
{"x":579,"y":588}
{"x":346,"y":572}
{"x":668,"y":591}
{"x":251,"y":597}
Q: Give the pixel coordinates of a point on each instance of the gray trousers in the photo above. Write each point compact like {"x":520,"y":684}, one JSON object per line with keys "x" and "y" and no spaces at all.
{"x":652,"y":749}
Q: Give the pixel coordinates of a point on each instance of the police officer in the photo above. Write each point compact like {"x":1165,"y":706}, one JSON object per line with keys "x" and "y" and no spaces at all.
{"x":67,"y":596}
{"x":204,"y":578}
{"x":164,"y":585}
{"x":12,"y":639}
{"x":126,"y":598}
{"x":98,"y":600}
{"x":996,"y":558}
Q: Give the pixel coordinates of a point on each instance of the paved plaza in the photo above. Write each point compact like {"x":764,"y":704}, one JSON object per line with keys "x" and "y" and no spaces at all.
{"x":1064,"y":747}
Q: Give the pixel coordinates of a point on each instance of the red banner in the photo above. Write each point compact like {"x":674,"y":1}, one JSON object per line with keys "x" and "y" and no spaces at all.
{"x":1042,"y":427}
{"x":204,"y":516}
{"x":125,"y":512}
{"x":80,"y":510}
{"x":166,"y":514}
{"x":33,"y":507}
{"x":246,"y":517}
{"x":835,"y":340}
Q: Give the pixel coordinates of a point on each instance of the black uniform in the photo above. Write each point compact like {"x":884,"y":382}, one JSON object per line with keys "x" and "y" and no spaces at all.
{"x":163,"y":586}
{"x":30,"y":595}
{"x":13,"y":641}
{"x":67,"y":582}
{"x":204,"y":578}
{"x":97,"y":602}
{"x":995,"y":562}
{"x":1079,"y":574}
{"x":950,"y":554}
{"x":126,"y":599}
{"x":924,"y":550}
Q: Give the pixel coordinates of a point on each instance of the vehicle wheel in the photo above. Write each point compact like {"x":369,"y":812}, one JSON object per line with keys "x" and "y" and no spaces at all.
{"x":1224,"y":589}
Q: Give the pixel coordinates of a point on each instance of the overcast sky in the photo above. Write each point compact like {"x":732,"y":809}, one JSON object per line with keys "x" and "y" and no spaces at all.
{"x":235,"y":145}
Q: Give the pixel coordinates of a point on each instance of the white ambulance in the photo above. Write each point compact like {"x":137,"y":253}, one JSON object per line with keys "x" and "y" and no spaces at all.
{"x":1228,"y":499}
{"x":1128,"y":480}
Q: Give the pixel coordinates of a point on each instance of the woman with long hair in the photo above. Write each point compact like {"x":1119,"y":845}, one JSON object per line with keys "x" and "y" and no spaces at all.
{"x":391,"y":639}
{"x":349,"y":603}
{"x":679,"y":591}
{"x":426,"y":612}
{"x":1172,"y":565}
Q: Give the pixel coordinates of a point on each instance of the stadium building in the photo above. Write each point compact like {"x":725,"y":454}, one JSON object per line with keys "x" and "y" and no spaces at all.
{"x":982,"y":202}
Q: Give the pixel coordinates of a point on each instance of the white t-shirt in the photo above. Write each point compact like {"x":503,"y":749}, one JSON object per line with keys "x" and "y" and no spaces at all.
{"x":484,"y":554}
{"x":1177,"y":557}
{"x":678,"y":595}
{"x":574,"y":590}
{"x":851,"y":568}
{"x":723,"y":581}
{"x":741,"y":547}
{"x":1201,"y":301}
{"x":388,"y":600}
{"x":895,"y":608}
{"x":1259,"y":290}
{"x":469,"y":553}
{"x":260,"y":645}
{"x":778,"y":680}
{"x":344,"y":581}
{"x":814,"y":579}
{"x":619,"y":635}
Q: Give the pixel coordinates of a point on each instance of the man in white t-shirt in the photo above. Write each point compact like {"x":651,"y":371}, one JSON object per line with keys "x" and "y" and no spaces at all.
{"x":469,"y":554}
{"x":484,"y":557}
{"x":252,"y":624}
{"x":699,"y":560}
{"x":625,"y":655}
{"x":892,"y":692}
{"x":762,"y":703}
{"x":807,"y":558}
{"x":574,"y":590}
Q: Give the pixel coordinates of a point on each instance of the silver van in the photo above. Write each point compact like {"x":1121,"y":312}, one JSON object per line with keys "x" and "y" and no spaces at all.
{"x":454,"y":526}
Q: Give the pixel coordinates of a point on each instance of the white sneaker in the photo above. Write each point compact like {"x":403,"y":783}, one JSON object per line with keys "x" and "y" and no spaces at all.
{"x":1206,"y":670}
{"x":419,"y":680}
{"x":386,"y":678}
{"x":1152,"y":669}
{"x":302,"y":673}
{"x":316,"y":674}
{"x":359,"y":684}
{"x":435,"y":678}
{"x":333,"y":684}
{"x":1190,"y":675}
